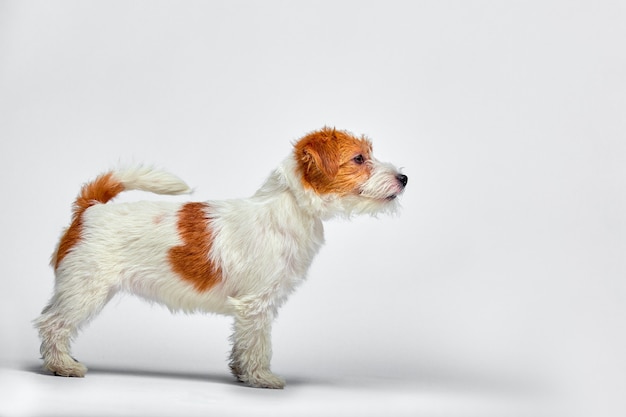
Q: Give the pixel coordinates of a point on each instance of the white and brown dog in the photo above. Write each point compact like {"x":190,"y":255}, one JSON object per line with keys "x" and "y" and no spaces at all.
{"x":236,"y":257}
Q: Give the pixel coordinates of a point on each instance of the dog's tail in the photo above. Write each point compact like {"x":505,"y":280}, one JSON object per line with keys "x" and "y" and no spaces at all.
{"x":110,"y":184}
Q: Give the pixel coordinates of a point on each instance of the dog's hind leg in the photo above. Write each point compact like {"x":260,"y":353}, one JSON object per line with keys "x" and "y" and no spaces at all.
{"x":252,"y":346}
{"x":69,"y":309}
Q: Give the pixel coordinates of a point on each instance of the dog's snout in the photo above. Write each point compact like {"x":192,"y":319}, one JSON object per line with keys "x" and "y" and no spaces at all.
{"x":403,"y":179}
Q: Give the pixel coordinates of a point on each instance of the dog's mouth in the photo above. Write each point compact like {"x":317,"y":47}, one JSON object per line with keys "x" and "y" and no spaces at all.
{"x":387,"y":191}
{"x":387,"y":198}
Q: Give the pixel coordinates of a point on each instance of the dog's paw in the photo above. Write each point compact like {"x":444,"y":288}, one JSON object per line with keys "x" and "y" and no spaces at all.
{"x":68,"y":368}
{"x":263,"y":379}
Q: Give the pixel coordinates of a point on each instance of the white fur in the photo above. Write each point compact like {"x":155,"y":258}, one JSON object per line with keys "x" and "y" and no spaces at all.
{"x":150,"y":179}
{"x":264,"y":246}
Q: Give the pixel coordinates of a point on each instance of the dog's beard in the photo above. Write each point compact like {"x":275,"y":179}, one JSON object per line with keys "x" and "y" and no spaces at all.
{"x":347,"y":206}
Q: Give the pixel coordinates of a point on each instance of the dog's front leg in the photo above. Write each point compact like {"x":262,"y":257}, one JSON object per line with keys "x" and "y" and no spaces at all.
{"x":252,"y":345}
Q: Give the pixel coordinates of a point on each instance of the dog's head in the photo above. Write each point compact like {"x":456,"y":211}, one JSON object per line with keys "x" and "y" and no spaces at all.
{"x":340,"y":168}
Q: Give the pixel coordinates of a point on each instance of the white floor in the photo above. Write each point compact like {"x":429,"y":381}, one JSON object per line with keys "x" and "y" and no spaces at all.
{"x":26,"y":391}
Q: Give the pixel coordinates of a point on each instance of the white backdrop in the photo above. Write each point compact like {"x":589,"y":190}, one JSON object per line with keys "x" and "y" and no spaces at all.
{"x":506,"y":267}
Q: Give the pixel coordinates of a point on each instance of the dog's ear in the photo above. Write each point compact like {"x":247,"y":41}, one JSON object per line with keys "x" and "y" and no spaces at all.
{"x":325,"y":156}
{"x":321,"y":148}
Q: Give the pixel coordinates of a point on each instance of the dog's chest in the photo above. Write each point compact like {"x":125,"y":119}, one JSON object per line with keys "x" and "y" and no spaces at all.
{"x":304,"y":245}
{"x":264,"y":245}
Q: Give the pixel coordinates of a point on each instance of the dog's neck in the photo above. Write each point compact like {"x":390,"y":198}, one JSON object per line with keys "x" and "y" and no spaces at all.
{"x":286,"y":181}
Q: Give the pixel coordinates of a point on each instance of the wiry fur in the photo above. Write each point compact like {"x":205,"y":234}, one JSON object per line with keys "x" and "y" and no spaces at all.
{"x":258,"y":249}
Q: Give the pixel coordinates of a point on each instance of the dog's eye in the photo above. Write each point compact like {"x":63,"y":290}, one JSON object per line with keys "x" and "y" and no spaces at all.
{"x":359,"y":159}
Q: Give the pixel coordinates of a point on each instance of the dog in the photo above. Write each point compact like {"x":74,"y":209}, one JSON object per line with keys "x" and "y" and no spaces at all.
{"x":239,"y":257}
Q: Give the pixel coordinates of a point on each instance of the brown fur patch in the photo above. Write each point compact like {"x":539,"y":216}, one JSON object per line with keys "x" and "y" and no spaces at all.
{"x":191,"y":259}
{"x":70,"y":238}
{"x":326,"y":161}
{"x":101,"y":190}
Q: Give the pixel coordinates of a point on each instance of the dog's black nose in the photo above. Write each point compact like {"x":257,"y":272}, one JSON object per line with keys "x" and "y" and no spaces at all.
{"x":403,"y":179}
